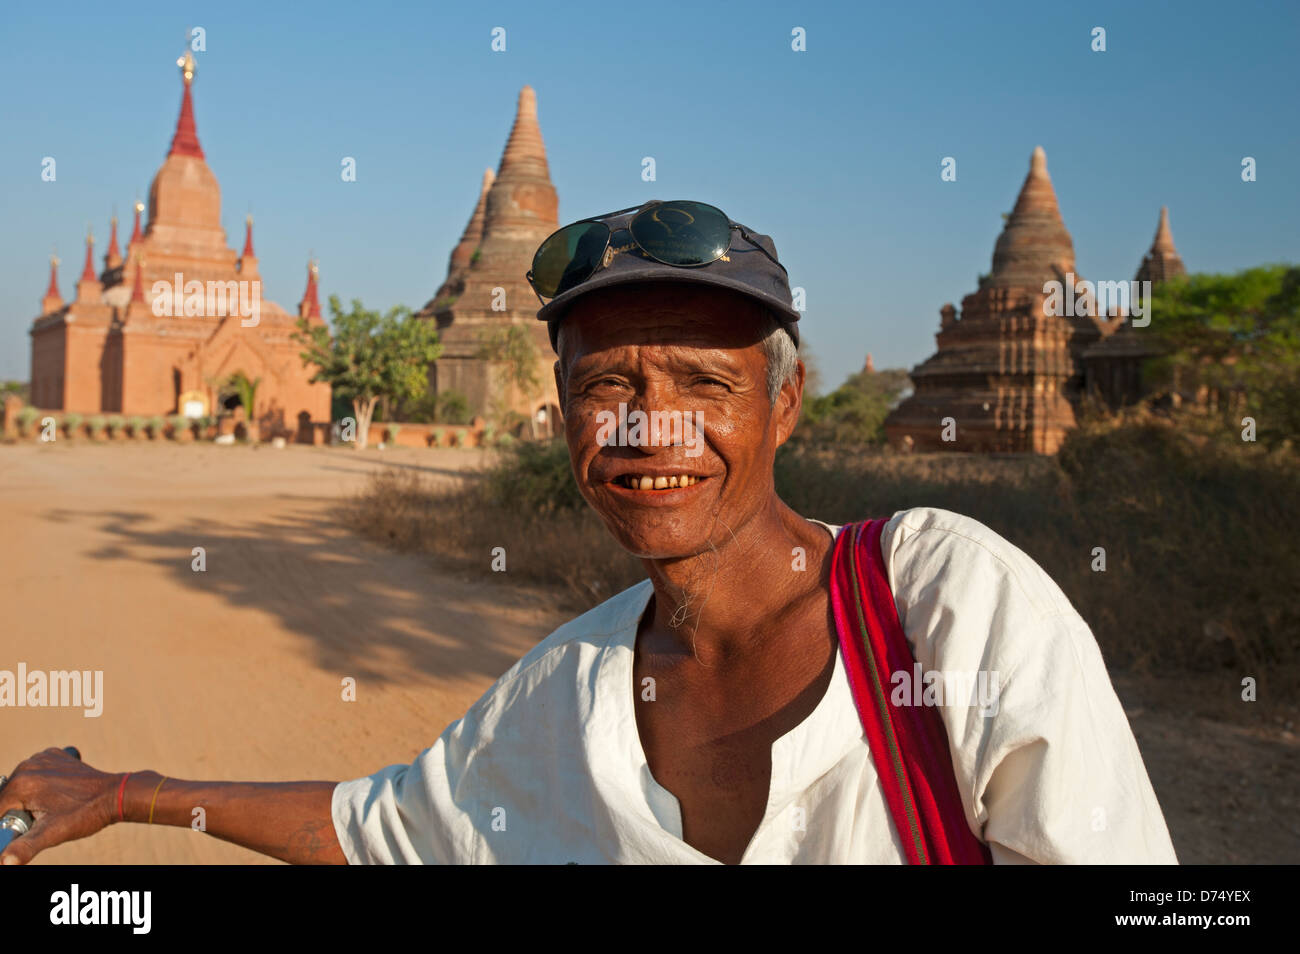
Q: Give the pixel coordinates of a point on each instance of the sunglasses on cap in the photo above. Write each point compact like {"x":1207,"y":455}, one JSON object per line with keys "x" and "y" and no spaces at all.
{"x":682,"y":233}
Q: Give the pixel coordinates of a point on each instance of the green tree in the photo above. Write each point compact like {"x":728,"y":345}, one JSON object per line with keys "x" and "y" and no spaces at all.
{"x":246,"y":390}
{"x":854,"y":413}
{"x":451,"y":407}
{"x":445,"y":407}
{"x":370,"y":356}
{"x":1237,"y":337}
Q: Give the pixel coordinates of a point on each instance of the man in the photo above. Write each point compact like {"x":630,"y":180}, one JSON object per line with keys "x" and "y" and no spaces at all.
{"x":704,"y":714}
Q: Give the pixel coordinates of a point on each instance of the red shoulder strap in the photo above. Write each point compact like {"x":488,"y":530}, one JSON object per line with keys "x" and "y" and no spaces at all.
{"x":908,"y":743}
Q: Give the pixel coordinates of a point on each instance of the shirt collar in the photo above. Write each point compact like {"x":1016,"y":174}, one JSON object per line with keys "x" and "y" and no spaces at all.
{"x":618,"y":763}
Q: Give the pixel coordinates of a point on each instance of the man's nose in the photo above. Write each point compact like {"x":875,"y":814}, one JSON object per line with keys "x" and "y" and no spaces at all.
{"x":668,"y":423}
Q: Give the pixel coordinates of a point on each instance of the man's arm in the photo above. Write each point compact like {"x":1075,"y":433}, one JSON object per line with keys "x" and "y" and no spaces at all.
{"x":1045,"y":759}
{"x":291,"y":821}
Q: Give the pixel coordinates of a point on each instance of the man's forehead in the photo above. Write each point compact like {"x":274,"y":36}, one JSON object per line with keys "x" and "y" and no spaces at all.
{"x":664,"y":314}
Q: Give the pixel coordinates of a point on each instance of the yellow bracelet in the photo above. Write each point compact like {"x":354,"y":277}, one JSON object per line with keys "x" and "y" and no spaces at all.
{"x":155,"y":799}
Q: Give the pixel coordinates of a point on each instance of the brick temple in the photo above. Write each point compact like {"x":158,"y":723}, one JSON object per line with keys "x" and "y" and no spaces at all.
{"x":1009,"y":374}
{"x":124,"y":344}
{"x":485,"y":290}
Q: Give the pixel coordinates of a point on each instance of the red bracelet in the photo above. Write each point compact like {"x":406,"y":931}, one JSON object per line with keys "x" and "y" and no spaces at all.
{"x":121,"y":816}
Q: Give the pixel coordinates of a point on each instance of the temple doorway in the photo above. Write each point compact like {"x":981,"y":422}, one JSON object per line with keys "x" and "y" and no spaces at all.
{"x":547,"y":421}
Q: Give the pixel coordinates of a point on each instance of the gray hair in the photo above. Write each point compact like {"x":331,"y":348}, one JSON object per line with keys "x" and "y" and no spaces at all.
{"x":778,"y":347}
{"x":782,"y":356}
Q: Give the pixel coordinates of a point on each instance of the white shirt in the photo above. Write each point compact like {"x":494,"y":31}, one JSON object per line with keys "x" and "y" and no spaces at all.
{"x":547,"y":767}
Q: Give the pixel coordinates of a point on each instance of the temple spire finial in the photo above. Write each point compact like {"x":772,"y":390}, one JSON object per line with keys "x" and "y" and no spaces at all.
{"x":112,"y":257}
{"x":309,"y":307}
{"x":1164,"y":241}
{"x":88,"y":271}
{"x":1037,"y":193}
{"x":248,"y":258}
{"x":88,"y":285}
{"x":52,"y":301}
{"x":188,"y":66}
{"x":1038,"y":161}
{"x":52,"y":291}
{"x":135,"y":232}
{"x":186,"y":140}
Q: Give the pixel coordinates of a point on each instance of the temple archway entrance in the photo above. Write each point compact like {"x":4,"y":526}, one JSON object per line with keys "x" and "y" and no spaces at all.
{"x":229,"y":409}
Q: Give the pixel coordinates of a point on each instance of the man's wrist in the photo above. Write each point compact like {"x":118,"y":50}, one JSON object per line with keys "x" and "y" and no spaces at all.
{"x":135,"y":798}
{"x":108,"y":800}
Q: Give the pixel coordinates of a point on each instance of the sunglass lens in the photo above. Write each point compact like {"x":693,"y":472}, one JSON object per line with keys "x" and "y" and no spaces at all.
{"x":682,"y":232}
{"x":569,"y":257}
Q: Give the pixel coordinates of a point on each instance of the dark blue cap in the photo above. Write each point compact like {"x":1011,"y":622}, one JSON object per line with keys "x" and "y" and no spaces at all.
{"x":743,"y":269}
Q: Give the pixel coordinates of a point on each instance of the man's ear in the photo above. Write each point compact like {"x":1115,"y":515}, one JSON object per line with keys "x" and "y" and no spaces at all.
{"x":789,"y":403}
{"x":559,"y":383}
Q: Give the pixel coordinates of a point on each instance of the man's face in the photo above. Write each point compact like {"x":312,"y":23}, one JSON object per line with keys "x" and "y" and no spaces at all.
{"x":692,"y":354}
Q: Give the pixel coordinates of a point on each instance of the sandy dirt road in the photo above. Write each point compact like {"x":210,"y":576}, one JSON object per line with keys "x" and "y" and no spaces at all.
{"x":235,"y":672}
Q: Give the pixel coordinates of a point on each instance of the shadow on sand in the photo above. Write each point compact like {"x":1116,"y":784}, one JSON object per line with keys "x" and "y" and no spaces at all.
{"x":351,"y":602}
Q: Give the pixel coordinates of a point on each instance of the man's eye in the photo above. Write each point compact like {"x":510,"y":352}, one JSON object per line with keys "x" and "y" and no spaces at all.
{"x":711,"y":381}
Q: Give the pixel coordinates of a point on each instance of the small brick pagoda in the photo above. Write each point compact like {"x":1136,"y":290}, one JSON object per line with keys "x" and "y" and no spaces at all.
{"x":1008,"y":374}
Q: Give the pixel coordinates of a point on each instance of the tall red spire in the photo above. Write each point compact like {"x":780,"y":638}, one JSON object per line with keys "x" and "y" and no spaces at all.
{"x":309,"y":307}
{"x":52,"y":301}
{"x":248,"y":260}
{"x":88,"y":286}
{"x":137,"y":293}
{"x":88,"y":273}
{"x":112,"y":258}
{"x":135,"y":232}
{"x":186,"y":140}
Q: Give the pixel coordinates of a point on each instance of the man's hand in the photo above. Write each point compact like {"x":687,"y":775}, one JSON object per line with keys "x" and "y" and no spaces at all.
{"x":291,"y":821}
{"x":67,"y":798}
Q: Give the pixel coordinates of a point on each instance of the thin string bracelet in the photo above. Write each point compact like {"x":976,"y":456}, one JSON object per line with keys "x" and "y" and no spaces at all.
{"x":154,"y":800}
{"x":121,"y":816}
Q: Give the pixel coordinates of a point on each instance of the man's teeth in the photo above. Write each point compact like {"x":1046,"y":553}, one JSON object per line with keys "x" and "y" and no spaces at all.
{"x":636,"y":482}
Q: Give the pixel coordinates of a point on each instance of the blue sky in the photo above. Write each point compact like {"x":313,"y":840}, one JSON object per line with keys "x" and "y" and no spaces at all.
{"x":835,"y":151}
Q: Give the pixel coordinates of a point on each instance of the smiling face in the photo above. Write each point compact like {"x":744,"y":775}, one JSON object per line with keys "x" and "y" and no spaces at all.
{"x":691,"y":353}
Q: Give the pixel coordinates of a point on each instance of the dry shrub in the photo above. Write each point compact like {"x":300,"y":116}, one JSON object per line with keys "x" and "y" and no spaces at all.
{"x":463,"y":521}
{"x":1198,"y":532}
